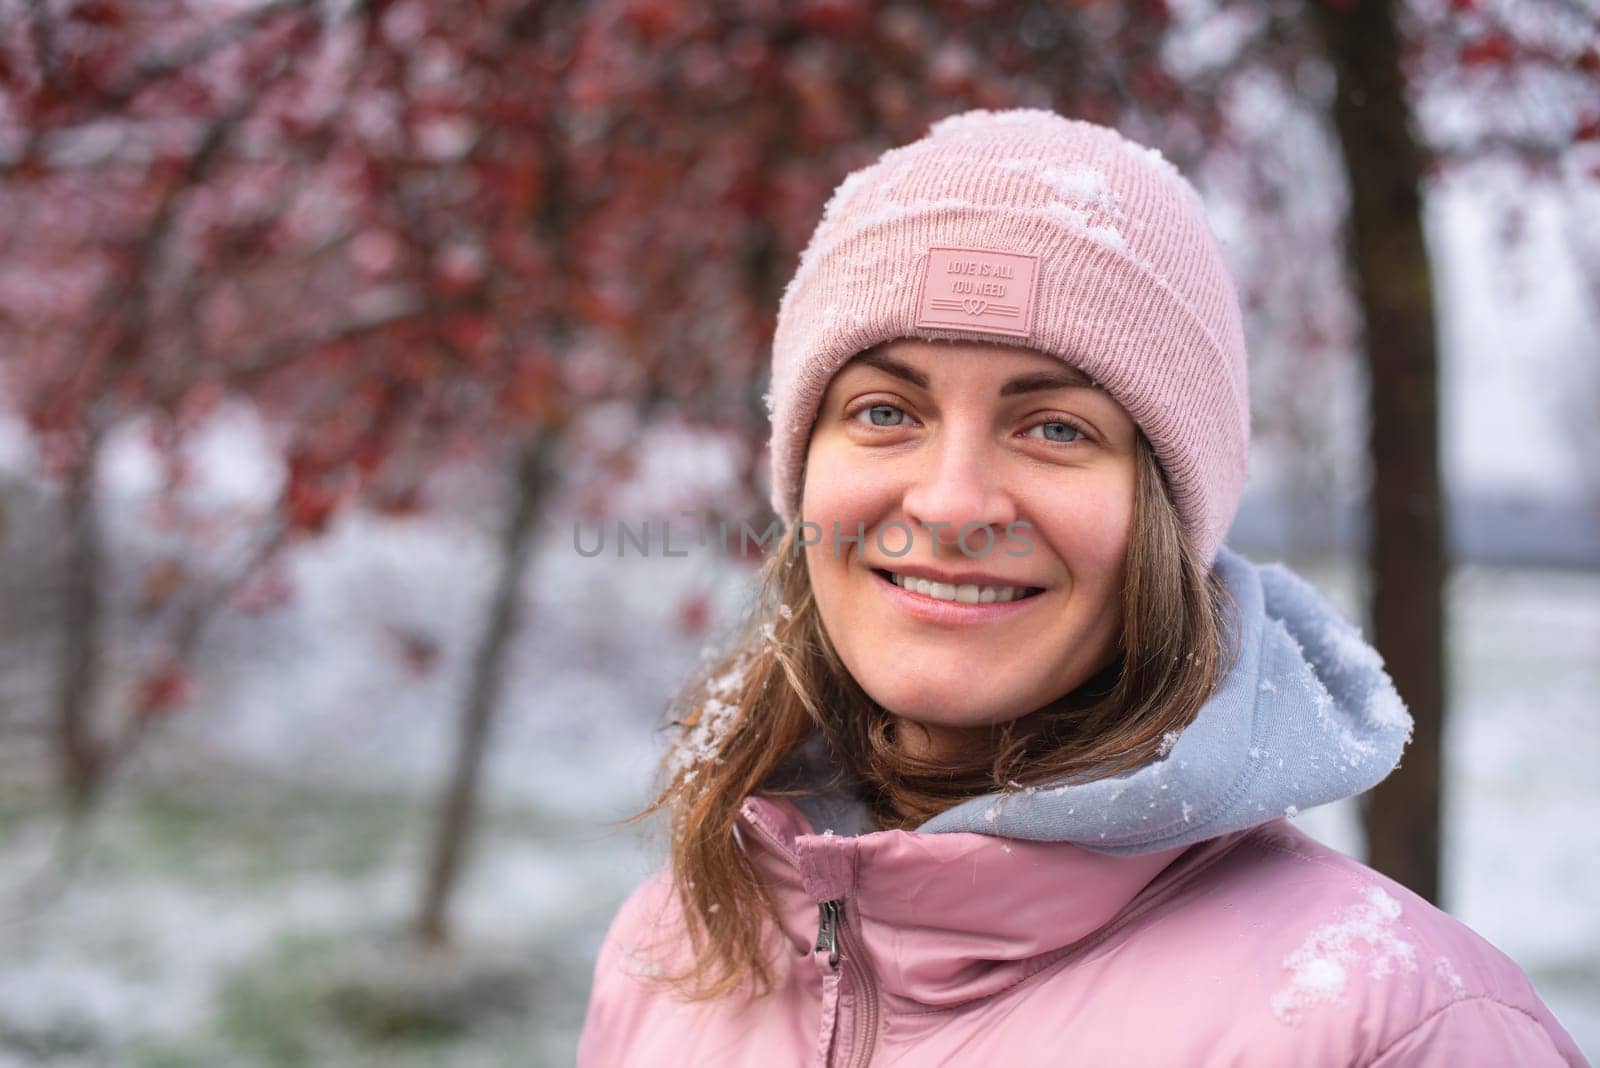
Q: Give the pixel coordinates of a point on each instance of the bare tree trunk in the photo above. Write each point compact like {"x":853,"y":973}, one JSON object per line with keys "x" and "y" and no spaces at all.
{"x":78,"y":670}
{"x":1383,"y":164}
{"x":533,"y":477}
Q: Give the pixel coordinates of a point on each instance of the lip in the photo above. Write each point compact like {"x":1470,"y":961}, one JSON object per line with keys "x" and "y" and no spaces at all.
{"x":951,"y":613}
{"x":957,"y":578}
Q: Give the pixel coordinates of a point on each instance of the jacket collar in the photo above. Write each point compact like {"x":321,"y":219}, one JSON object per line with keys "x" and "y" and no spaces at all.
{"x":946,"y":918}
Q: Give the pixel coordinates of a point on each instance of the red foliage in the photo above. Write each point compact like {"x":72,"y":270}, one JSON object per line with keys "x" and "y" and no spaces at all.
{"x":1495,"y":47}
{"x":163,"y":691}
{"x":309,"y":495}
{"x":264,"y":590}
{"x":418,"y":650}
{"x":398,"y":504}
{"x":694,"y":614}
{"x":657,"y":20}
{"x":161,"y":580}
{"x":835,"y":18}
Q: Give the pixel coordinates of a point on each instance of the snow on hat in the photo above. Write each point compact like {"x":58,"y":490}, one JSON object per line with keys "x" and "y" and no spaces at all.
{"x":1032,"y":229}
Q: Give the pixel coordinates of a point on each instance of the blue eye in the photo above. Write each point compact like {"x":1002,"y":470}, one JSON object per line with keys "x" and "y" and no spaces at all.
{"x":887,"y":409}
{"x":1066,"y":427}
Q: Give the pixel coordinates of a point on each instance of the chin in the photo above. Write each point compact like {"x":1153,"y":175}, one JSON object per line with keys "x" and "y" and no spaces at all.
{"x":939,"y":702}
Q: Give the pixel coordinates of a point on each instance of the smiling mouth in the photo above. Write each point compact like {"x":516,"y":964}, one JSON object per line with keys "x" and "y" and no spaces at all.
{"x":963,"y":594}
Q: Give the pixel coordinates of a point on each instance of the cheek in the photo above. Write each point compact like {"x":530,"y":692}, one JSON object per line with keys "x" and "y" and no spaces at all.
{"x":1091,"y":528}
{"x":837,"y":490}
{"x":838,"y":494}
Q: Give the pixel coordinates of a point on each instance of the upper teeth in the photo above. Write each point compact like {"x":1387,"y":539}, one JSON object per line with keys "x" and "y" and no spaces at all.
{"x":966,"y":594}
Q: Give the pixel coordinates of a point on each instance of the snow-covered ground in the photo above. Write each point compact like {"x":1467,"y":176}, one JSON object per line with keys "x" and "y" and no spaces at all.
{"x":275,"y":833}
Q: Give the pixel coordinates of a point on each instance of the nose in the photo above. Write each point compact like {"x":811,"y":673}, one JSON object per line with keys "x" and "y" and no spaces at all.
{"x":959,"y":484}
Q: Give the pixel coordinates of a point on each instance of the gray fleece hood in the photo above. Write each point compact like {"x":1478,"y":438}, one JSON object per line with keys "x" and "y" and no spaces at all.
{"x":1306,"y":716}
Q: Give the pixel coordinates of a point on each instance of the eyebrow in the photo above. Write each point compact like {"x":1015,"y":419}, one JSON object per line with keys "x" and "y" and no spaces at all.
{"x":1068,"y":377}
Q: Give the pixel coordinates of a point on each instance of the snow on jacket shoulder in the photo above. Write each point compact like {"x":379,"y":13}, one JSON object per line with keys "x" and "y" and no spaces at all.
{"x":1262,"y":947}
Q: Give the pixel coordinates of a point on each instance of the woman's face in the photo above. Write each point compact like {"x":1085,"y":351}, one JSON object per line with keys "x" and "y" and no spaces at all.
{"x":933,"y":439}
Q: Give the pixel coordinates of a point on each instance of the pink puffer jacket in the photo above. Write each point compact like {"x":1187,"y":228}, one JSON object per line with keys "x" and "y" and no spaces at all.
{"x":1258,"y":947}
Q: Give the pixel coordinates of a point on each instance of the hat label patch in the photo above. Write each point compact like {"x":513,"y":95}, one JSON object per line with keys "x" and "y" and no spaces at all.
{"x":978,"y":289}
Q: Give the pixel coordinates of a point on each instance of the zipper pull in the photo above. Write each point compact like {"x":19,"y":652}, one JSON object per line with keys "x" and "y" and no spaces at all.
{"x":828,"y":930}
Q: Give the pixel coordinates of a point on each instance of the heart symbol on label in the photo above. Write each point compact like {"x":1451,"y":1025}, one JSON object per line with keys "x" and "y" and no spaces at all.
{"x":974,"y":307}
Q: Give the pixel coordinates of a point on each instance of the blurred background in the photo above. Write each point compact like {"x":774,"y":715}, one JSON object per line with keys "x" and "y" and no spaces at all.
{"x":335,"y":335}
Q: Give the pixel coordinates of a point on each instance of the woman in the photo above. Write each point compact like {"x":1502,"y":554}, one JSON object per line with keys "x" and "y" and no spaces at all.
{"x":999,"y":773}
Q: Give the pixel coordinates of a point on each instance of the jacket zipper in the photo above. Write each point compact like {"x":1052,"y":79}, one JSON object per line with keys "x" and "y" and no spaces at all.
{"x":827,"y":931}
{"x":832,"y":930}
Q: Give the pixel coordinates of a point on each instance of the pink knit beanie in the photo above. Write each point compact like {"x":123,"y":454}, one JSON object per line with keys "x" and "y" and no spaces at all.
{"x":1032,"y":229}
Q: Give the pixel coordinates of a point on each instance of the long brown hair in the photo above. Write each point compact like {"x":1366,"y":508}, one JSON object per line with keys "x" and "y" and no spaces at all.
{"x":747,"y":711}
